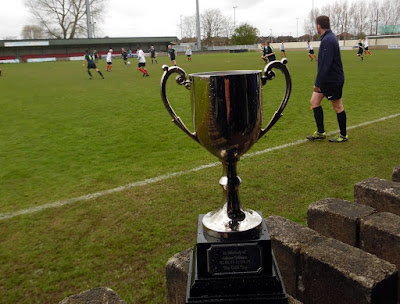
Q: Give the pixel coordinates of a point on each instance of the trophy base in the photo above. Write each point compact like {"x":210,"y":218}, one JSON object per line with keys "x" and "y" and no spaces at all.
{"x":234,"y":271}
{"x":217,"y":224}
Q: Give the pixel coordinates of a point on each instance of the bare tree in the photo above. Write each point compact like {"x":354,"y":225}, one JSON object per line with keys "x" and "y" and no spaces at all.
{"x":32,"y":32}
{"x":357,"y":18}
{"x":64,"y":19}
{"x":212,"y":20}
{"x":189,"y":26}
{"x":309,"y":24}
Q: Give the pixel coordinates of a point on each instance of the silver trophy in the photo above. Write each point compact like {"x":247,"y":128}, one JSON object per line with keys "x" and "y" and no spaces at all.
{"x":227,"y":120}
{"x":232,"y":261}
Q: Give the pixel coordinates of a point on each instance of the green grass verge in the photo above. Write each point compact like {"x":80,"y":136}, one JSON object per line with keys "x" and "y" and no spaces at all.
{"x":63,"y":136}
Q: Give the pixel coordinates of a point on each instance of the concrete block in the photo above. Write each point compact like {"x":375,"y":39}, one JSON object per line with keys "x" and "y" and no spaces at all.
{"x":380,"y":235}
{"x":380,"y":194}
{"x":177,"y":269}
{"x":396,"y":174}
{"x":287,"y":239}
{"x":338,"y":219}
{"x":334,"y":272}
{"x":100,"y":295}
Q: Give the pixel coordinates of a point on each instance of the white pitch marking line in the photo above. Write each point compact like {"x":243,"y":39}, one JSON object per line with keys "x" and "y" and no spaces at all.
{"x":153,"y":180}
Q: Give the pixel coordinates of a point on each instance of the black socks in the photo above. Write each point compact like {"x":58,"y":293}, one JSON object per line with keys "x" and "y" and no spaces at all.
{"x":341,"y":118}
{"x":319,"y":119}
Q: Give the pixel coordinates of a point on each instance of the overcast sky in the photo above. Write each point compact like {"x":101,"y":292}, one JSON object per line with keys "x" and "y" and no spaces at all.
{"x":162,"y":18}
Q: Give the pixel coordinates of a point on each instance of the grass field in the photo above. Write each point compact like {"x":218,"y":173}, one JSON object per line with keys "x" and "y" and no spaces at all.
{"x":64,"y":136}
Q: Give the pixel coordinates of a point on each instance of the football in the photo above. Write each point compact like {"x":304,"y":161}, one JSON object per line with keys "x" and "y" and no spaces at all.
{"x":128,"y":63}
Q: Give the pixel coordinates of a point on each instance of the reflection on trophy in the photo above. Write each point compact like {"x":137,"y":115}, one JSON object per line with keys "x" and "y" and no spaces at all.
{"x":232,"y":260}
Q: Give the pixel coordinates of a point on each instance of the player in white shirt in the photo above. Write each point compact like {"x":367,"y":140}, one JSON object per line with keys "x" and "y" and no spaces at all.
{"x":283,"y":53}
{"x":142,"y":62}
{"x":311,"y":51}
{"x":188,"y":53}
{"x":109,"y":60}
{"x":366,"y":45}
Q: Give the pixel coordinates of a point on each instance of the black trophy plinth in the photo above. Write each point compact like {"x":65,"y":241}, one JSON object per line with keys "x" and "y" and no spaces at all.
{"x":234,"y":271}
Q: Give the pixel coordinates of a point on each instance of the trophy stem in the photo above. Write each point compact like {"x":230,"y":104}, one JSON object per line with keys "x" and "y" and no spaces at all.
{"x":234,"y":207}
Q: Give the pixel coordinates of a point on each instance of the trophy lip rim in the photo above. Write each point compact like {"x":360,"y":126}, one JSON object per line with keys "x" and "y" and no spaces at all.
{"x":225,"y":73}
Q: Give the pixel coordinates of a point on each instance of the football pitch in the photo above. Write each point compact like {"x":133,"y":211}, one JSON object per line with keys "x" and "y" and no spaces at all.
{"x":121,"y":187}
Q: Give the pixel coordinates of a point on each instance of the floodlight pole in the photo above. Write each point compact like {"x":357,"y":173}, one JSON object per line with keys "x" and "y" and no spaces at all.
{"x":198,"y":26}
{"x":88,"y":19}
{"x":234,"y":17}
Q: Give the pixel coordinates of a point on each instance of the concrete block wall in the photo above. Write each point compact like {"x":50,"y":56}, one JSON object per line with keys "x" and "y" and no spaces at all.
{"x":318,"y":269}
{"x":371,"y":223}
{"x":349,"y":254}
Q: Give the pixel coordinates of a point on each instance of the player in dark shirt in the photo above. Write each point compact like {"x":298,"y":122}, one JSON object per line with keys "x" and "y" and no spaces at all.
{"x":172,"y":54}
{"x":328,"y":83}
{"x":153,"y":54}
{"x":268,"y":52}
{"x":124,"y":55}
{"x":360,"y":50}
{"x":91,"y":65}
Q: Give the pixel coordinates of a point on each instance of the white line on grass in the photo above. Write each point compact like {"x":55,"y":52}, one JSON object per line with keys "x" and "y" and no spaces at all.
{"x":8,"y":215}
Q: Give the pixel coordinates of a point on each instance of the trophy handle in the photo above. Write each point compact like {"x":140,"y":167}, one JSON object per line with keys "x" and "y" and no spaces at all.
{"x":181,"y":79}
{"x":269,"y":75}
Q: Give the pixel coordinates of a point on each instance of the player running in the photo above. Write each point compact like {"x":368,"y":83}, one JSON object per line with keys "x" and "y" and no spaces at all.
{"x":142,"y":62}
{"x":360,"y":50}
{"x":109,"y":60}
{"x":311,"y":53}
{"x":366,"y":46}
{"x":268,"y":52}
{"x":91,"y":64}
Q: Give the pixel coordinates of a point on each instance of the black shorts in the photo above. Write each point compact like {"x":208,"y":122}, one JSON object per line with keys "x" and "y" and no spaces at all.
{"x":109,"y":62}
{"x":91,"y":65}
{"x":153,"y":55}
{"x":360,"y":51}
{"x":366,"y":48}
{"x":172,"y":57}
{"x":141,"y":64}
{"x":311,"y":52}
{"x":332,"y":92}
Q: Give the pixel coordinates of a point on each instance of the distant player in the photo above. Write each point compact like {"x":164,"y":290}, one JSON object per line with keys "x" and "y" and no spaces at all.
{"x":283,"y":53}
{"x":172,"y":54}
{"x":311,"y":53}
{"x":153,"y":54}
{"x":268,"y":52}
{"x":109,"y":60}
{"x":142,"y":62}
{"x":124,"y":55}
{"x":366,"y":46}
{"x":95,"y":56}
{"x":188,"y":53}
{"x":360,"y":50}
{"x":91,"y":64}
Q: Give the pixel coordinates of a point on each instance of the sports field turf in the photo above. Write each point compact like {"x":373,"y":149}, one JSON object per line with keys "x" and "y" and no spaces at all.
{"x":64,"y":136}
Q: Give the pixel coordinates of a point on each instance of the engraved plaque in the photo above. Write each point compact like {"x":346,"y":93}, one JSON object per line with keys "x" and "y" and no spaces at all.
{"x":234,"y":259}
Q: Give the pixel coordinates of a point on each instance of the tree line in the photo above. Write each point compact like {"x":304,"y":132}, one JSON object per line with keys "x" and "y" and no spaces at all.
{"x":359,"y":18}
{"x":66,"y":19}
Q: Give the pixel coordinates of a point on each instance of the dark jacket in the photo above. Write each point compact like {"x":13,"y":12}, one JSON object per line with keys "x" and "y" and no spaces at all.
{"x":330,"y":68}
